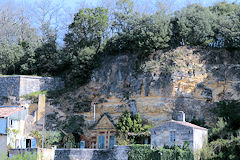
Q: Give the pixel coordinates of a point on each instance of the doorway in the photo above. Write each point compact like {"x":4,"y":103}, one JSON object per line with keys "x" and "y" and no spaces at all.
{"x":112,"y":142}
{"x":28,"y":143}
{"x":101,"y":142}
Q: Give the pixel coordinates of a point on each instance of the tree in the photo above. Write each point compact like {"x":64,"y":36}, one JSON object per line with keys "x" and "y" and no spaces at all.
{"x":47,"y":58}
{"x":227,"y":24}
{"x":129,"y":123}
{"x":9,"y":57}
{"x":50,"y":137}
{"x":27,"y":61}
{"x":142,"y":34}
{"x":83,"y":43}
{"x":82,"y":64}
{"x":230,"y":112}
{"x":219,"y":130}
{"x":47,"y":15}
{"x":124,"y":124}
{"x":15,"y":25}
{"x":125,"y":6}
{"x":87,"y":30}
{"x":18,"y":40}
{"x":222,"y":149}
{"x":74,"y":126}
{"x":195,"y":27}
{"x":122,"y":16}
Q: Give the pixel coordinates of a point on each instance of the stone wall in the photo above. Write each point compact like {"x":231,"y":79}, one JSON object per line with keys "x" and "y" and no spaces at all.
{"x":9,"y":86}
{"x":14,"y":152}
{"x":42,"y":154}
{"x":200,"y":139}
{"x":22,"y":85}
{"x":118,"y":153}
{"x":3,"y":144}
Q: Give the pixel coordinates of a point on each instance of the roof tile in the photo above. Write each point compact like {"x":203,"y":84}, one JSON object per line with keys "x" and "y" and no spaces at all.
{"x":6,"y":111}
{"x":189,"y":124}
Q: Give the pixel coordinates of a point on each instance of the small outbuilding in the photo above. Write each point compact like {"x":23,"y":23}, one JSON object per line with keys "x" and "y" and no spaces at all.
{"x":178,"y":133}
{"x":102,"y":134}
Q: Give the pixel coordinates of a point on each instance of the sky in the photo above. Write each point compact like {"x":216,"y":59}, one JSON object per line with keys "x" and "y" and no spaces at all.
{"x":75,"y":4}
{"x":72,"y":6}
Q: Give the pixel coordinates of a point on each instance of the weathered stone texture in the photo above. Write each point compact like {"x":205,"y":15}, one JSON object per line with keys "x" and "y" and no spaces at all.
{"x":200,"y":138}
{"x":118,"y":153}
{"x":160,"y":135}
{"x":43,"y":154}
{"x":186,"y":79}
{"x":195,"y":136}
{"x":9,"y":86}
{"x":3,"y":144}
{"x":22,"y":85}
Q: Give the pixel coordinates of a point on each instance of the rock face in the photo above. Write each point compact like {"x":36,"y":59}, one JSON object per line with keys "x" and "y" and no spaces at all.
{"x":184,"y":79}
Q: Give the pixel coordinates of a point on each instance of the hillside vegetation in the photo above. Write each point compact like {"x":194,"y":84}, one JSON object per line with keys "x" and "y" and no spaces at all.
{"x":134,"y":55}
{"x":96,"y":33}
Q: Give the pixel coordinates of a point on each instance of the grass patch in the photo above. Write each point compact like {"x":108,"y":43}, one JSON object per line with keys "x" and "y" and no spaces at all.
{"x":34,"y":95}
{"x":23,"y":156}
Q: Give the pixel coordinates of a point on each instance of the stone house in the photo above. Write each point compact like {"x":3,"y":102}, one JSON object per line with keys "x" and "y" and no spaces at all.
{"x":12,"y":125}
{"x":179,"y":132}
{"x":17,"y":122}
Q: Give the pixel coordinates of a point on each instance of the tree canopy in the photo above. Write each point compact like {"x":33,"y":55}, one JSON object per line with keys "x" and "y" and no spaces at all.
{"x":95,"y":32}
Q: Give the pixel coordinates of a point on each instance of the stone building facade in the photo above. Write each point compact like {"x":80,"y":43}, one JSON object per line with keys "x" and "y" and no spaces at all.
{"x":12,"y":122}
{"x":17,"y":122}
{"x":102,"y":135}
{"x":20,"y":85}
{"x":179,"y":132}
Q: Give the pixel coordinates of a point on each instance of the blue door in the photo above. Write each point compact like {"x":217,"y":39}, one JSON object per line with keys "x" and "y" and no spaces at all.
{"x":34,"y":143}
{"x":3,"y":126}
{"x":101,"y":142}
{"x":82,"y":144}
{"x":112,"y":141}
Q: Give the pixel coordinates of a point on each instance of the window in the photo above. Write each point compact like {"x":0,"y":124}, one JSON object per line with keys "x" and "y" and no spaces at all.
{"x":172,"y":136}
{"x":14,"y":124}
{"x":17,"y":143}
{"x":10,"y":123}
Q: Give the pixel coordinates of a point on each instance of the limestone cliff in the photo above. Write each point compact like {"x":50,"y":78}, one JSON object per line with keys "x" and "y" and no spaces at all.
{"x":187,"y":79}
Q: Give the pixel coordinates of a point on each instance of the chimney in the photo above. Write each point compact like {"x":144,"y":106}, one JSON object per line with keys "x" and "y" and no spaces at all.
{"x":41,"y":106}
{"x":181,"y":116}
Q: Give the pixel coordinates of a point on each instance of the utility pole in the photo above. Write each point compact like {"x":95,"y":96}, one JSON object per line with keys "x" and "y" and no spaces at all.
{"x":94,"y":111}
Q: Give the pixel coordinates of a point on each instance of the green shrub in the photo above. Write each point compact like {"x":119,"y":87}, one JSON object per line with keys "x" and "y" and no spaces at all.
{"x":127,"y":123}
{"x":222,"y":149}
{"x":145,"y":152}
{"x":51,"y":137}
{"x":34,"y":95}
{"x":25,"y":156}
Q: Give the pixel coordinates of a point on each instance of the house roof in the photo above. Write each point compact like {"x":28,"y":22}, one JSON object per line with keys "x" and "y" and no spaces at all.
{"x":184,"y":124}
{"x":188,"y":124}
{"x":104,"y":123}
{"x":6,"y":111}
